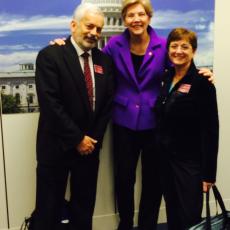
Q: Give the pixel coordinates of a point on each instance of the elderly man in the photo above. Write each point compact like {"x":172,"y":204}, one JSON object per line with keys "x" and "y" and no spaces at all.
{"x":74,"y":86}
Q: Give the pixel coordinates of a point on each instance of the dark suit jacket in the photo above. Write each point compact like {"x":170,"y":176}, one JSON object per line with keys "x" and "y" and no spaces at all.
{"x":187,"y":121}
{"x":65,"y":114}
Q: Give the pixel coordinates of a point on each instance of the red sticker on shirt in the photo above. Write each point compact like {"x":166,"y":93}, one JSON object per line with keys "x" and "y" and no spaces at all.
{"x":98,"y":69}
{"x":184,"y":88}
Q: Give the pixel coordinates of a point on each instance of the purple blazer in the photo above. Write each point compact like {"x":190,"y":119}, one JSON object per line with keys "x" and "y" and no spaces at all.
{"x":133,"y":100}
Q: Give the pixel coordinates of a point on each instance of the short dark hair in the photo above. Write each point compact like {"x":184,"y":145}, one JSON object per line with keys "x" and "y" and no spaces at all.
{"x":182,"y":33}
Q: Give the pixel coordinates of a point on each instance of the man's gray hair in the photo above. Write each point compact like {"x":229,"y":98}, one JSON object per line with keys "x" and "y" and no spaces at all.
{"x":84,"y":8}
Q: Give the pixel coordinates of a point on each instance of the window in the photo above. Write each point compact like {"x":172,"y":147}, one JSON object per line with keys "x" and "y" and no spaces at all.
{"x":31,"y":67}
{"x":17,"y":97}
{"x":30,"y":98}
{"x":120,"y":22}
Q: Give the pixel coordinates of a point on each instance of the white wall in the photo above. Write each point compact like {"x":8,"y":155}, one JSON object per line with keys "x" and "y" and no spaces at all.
{"x":3,"y":209}
{"x":19,"y":142}
{"x":19,"y":132}
{"x":222,"y":81}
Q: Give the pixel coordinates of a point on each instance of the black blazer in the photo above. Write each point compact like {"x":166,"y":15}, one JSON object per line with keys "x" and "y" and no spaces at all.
{"x":65,"y":114}
{"x":187,"y":121}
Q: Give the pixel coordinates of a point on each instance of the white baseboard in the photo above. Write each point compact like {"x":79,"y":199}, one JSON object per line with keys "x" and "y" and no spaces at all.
{"x":110,"y":221}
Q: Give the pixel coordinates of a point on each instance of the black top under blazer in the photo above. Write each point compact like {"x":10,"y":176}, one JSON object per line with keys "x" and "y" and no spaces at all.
{"x":187,"y":121}
{"x":65,"y":114}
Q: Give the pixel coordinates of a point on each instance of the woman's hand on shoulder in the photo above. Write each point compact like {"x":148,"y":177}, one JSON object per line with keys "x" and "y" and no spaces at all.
{"x":58,"y":41}
{"x":207,"y":186}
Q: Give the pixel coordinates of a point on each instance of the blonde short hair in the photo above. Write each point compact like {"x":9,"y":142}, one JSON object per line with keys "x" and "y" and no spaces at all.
{"x":145,"y":3}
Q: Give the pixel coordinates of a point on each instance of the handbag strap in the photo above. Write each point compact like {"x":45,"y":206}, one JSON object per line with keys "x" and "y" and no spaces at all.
{"x":219,"y":200}
{"x":208,"y":216}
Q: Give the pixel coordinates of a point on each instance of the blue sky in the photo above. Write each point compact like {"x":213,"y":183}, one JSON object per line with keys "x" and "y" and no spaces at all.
{"x":60,"y":7}
{"x":27,"y":25}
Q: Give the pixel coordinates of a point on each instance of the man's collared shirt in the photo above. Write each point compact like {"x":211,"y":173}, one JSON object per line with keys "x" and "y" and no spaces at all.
{"x":81,"y":60}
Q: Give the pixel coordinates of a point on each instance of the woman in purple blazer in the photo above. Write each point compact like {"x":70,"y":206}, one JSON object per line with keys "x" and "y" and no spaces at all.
{"x":140,"y":59}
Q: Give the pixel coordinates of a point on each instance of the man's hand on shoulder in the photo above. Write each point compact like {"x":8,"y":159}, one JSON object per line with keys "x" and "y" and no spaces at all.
{"x":207,"y":73}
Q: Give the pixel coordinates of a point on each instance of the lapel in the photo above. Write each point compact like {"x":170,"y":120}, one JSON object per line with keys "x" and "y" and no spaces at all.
{"x":125,"y":57}
{"x":73,"y":64}
{"x":98,"y":75}
{"x":150,"y":55}
{"x":187,"y":79}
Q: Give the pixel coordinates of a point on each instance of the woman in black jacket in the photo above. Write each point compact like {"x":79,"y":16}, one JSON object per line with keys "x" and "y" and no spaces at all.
{"x":187,"y":133}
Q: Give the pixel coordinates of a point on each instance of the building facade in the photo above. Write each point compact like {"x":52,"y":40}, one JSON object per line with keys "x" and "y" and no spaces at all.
{"x":21,"y":84}
{"x":113,"y":20}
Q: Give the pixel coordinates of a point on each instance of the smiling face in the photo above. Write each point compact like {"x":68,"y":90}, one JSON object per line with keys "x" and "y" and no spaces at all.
{"x":136,"y":19}
{"x":87,"y":31}
{"x":181,"y":52}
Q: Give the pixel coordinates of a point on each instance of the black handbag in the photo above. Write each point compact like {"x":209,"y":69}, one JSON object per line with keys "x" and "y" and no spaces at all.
{"x":217,"y":222}
{"x":28,"y":223}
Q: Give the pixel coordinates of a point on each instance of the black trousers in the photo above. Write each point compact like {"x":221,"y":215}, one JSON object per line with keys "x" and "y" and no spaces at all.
{"x":128,"y":146}
{"x":51,"y":187}
{"x":182,"y":183}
